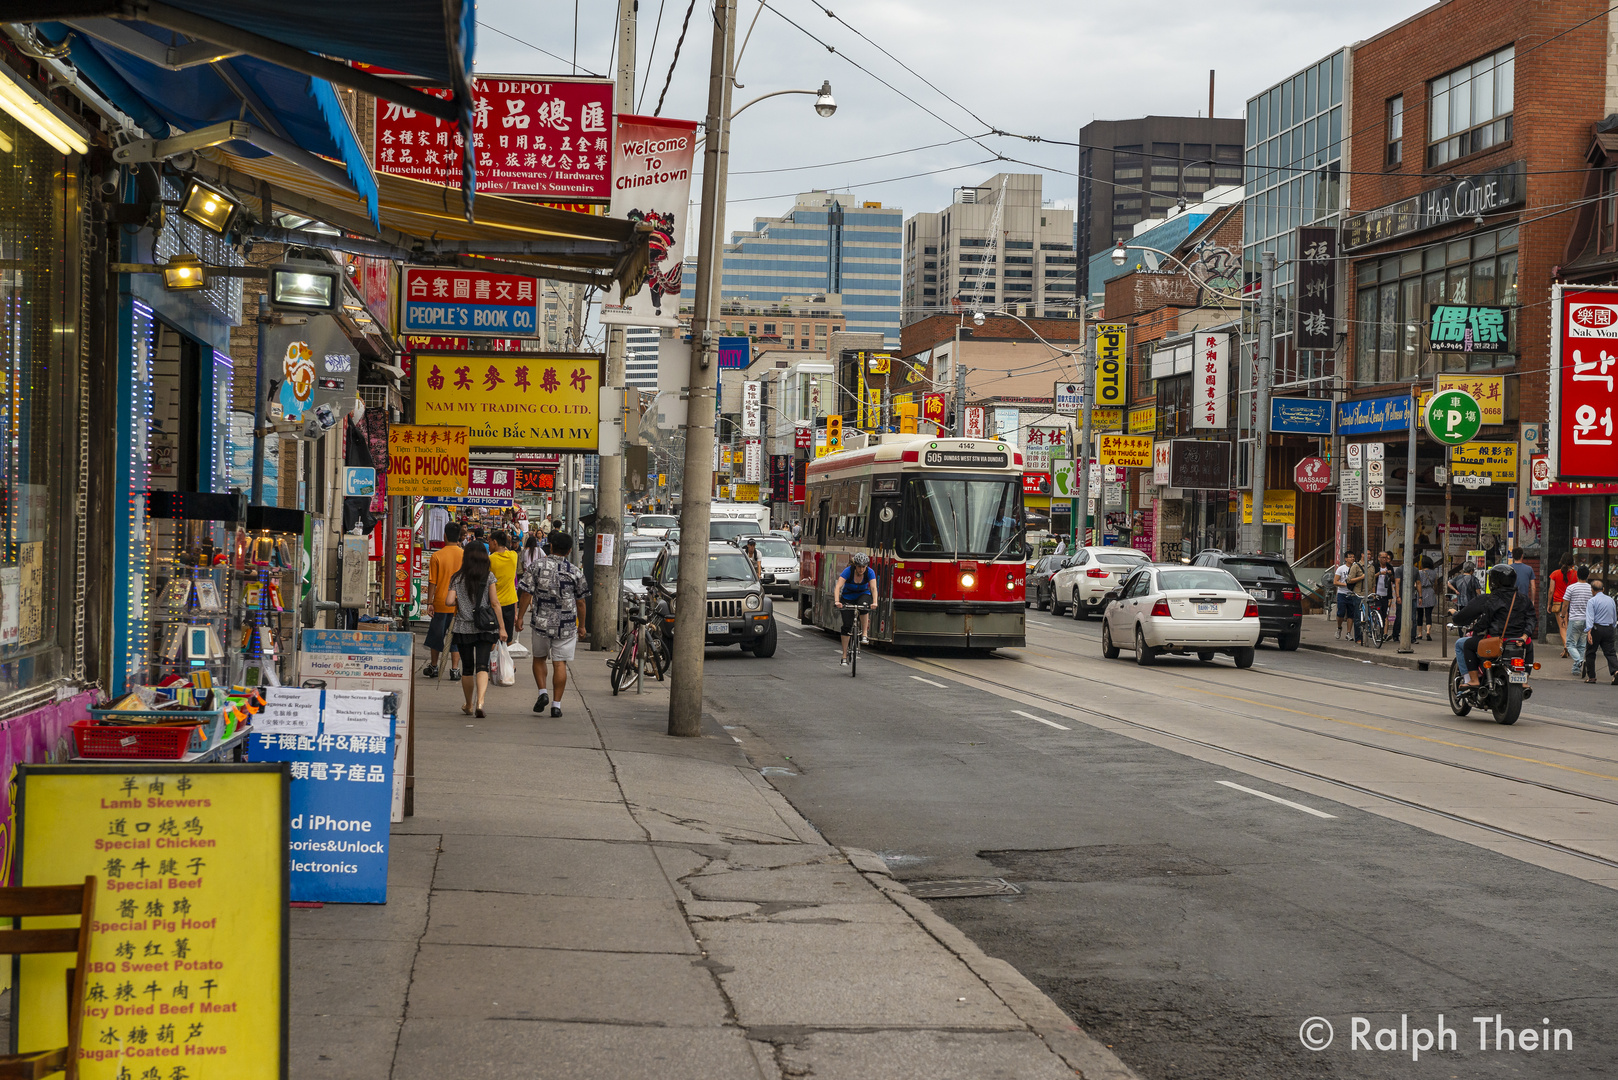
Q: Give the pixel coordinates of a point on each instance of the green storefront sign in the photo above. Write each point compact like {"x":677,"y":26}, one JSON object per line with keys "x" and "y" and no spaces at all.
{"x":1468,"y":328}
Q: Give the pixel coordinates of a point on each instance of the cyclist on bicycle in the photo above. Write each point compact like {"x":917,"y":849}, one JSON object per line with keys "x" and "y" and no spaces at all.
{"x":856,"y":585}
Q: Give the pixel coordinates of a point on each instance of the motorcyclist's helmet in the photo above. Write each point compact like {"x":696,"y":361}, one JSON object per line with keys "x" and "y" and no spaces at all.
{"x":860,"y":558}
{"x":1502,"y":577}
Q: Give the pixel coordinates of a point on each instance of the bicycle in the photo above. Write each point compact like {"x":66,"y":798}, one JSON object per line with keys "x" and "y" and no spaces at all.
{"x":639,"y":648}
{"x":1375,"y":630}
{"x":854,"y":637}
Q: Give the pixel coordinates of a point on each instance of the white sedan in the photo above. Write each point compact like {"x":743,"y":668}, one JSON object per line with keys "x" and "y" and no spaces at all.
{"x":1180,"y":609}
{"x":1085,"y":578}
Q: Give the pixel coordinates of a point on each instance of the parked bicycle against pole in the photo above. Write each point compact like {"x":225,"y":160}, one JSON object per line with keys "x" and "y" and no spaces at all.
{"x":640,"y":649}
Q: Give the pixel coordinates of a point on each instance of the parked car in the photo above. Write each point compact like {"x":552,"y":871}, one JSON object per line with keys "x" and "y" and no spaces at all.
{"x":1087,"y":575}
{"x":1270,"y":581}
{"x":655,"y":525}
{"x":1037,"y":581}
{"x":776,"y":556}
{"x":1170,"y":607}
{"x":638,"y":560}
{"x":738,"y":611}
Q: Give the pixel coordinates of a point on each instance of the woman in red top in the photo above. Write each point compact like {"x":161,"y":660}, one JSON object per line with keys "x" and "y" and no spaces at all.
{"x":1561,"y":578}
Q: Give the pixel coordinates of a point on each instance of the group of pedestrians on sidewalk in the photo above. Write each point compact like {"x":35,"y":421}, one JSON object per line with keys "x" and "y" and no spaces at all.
{"x":1588,"y":617}
{"x":479,"y":598}
{"x":1372,"y":585}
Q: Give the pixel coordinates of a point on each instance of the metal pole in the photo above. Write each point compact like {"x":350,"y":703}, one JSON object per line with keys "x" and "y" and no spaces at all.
{"x":1443,"y":583}
{"x":256,"y":498}
{"x":1407,"y":607}
{"x":960,"y":381}
{"x":1081,"y":529}
{"x":691,"y":605}
{"x":604,"y":613}
{"x":1266,"y":370}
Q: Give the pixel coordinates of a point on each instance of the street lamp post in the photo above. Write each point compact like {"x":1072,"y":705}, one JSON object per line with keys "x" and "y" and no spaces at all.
{"x":691,"y":595}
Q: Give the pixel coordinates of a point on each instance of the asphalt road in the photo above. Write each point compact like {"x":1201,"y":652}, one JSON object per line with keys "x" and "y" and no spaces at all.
{"x":1420,"y":865}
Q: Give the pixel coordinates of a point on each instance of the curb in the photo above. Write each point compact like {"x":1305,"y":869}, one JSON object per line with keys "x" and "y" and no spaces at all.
{"x":1083,"y":1054}
{"x":1374,"y":656}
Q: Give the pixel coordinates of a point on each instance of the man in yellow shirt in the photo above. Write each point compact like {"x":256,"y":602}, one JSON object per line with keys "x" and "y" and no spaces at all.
{"x":503,"y":564}
{"x":446,"y":561}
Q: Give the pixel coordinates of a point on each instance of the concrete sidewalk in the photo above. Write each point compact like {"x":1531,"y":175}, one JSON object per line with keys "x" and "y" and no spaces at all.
{"x":588,"y":898}
{"x":1320,"y":634}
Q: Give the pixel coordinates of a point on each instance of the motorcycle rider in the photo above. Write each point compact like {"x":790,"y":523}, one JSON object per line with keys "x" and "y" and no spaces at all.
{"x":1500,"y":612}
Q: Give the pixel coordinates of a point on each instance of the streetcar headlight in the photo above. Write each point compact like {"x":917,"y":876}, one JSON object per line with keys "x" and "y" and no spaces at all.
{"x":918,"y":581}
{"x":752,"y":602}
{"x":968,"y":580}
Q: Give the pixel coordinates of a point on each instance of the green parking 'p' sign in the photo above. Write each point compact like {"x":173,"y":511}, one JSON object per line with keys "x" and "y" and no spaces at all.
{"x":1452,"y":417}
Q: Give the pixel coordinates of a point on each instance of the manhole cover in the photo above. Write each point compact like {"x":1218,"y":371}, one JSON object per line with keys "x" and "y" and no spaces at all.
{"x":955,"y":887}
{"x":1102,"y":862}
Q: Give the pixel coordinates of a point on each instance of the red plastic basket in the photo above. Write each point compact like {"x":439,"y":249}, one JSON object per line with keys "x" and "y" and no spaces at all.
{"x":140,"y":741}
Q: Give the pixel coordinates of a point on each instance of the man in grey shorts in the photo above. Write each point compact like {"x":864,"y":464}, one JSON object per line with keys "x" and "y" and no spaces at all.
{"x":559,"y":591}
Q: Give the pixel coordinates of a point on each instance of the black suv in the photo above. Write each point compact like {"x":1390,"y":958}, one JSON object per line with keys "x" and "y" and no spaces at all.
{"x":1270,"y":582}
{"x":738,"y":611}
{"x":1037,"y":581}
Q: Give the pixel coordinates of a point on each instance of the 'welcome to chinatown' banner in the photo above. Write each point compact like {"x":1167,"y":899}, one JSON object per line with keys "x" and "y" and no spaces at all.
{"x":651,"y":183}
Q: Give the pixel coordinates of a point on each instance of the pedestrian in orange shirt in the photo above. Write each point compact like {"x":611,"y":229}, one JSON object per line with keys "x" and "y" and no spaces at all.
{"x":446,"y":561}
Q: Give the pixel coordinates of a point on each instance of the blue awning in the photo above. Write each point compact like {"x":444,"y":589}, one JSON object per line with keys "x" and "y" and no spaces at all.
{"x":291,"y":106}
{"x":339,"y":41}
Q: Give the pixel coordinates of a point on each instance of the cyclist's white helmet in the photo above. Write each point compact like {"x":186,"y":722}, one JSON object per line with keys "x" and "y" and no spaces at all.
{"x":860,"y":558}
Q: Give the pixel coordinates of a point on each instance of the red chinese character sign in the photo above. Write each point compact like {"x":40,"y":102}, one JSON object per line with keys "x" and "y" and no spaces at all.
{"x":652,"y":159}
{"x":1210,"y":381}
{"x":538,"y":138}
{"x":1585,"y":342}
{"x":933,"y":408}
{"x":451,"y":301}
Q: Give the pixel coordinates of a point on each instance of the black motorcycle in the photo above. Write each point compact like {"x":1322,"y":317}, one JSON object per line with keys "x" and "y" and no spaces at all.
{"x":1502,"y":684}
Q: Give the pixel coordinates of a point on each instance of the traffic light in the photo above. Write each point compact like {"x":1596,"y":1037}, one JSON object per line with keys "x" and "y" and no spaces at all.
{"x":834,"y":433}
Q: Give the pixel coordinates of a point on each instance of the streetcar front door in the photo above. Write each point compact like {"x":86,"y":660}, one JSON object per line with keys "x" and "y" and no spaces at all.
{"x":884,"y":545}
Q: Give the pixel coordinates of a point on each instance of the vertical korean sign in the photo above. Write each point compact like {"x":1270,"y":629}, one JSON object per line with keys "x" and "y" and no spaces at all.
{"x":1317,"y":289}
{"x":538,"y":138}
{"x":1210,"y":381}
{"x":651,"y":185}
{"x":1585,"y":343}
{"x":1110,"y":387}
{"x":188,"y":958}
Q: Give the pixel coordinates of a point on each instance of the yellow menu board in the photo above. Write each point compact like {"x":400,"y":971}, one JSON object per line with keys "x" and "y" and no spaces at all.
{"x":188,"y":948}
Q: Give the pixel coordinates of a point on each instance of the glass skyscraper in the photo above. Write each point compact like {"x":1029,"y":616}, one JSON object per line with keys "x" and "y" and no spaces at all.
{"x":820,"y":246}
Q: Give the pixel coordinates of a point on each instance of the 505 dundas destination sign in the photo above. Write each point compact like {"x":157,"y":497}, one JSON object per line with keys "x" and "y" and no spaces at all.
{"x":543,"y":401}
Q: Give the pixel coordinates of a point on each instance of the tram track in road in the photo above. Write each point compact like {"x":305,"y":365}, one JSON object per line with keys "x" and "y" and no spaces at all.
{"x":1259,"y":759}
{"x":1395,"y":693}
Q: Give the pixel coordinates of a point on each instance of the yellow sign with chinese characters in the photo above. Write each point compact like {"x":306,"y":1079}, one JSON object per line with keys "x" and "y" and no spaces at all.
{"x":427,"y":460}
{"x":520,"y":400}
{"x":1496,"y":460}
{"x":1143,"y":421}
{"x":1125,"y":451}
{"x":187,"y":965}
{"x":1280,"y":507}
{"x":1489,"y":391}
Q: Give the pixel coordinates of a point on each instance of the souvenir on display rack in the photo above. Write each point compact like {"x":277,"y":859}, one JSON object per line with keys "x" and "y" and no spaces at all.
{"x":188,"y":610}
{"x":264,"y":562}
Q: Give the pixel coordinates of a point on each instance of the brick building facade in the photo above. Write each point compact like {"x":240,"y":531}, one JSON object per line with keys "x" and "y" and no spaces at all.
{"x":1470,"y":128}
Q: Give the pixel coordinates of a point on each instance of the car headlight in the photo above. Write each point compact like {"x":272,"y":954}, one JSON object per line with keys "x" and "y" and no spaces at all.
{"x":752,"y":602}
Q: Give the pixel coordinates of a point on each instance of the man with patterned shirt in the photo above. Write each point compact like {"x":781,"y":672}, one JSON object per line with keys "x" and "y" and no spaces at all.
{"x":559,"y":590}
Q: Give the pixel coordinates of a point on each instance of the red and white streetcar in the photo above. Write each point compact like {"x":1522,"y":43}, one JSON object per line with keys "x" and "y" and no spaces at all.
{"x":942,"y":522}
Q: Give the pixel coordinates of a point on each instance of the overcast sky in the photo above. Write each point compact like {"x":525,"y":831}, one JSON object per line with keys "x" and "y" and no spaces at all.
{"x":1041,"y":67}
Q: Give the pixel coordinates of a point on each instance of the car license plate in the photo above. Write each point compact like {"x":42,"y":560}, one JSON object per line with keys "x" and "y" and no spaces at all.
{"x":1261,"y":594}
{"x":1207,"y":609}
{"x":719,"y":628}
{"x":1519,"y":676}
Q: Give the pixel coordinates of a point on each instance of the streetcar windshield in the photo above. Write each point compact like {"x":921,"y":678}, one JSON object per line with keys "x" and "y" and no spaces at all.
{"x":960,"y":517}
